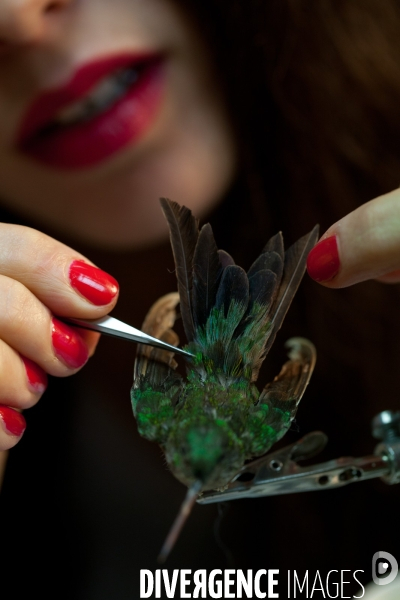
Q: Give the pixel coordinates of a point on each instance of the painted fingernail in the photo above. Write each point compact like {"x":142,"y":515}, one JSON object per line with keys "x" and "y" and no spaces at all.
{"x":323,"y":261}
{"x":13,"y":422}
{"x":92,"y":283}
{"x":37,"y":378}
{"x":68,"y":346}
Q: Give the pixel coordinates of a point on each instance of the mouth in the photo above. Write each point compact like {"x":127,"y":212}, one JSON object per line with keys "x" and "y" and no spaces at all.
{"x":108,"y":104}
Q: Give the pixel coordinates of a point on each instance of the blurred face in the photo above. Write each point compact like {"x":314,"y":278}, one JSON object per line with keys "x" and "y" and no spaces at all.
{"x":104,"y":107}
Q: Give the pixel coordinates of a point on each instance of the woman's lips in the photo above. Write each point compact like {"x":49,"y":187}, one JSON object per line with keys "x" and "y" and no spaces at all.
{"x":56,"y":131}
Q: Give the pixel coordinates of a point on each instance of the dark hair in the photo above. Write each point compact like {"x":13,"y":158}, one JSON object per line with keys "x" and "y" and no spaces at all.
{"x":313,"y":90}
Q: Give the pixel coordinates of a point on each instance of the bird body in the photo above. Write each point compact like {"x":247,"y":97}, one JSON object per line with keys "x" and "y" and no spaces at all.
{"x":215,"y":419}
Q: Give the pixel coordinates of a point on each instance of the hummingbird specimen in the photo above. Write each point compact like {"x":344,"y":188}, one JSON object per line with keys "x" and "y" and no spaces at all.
{"x":212,"y":421}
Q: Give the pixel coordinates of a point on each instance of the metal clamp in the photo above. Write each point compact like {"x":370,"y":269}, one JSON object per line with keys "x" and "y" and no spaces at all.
{"x":279,"y":472}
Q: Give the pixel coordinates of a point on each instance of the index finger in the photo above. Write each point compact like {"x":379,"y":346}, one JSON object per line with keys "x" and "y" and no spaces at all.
{"x":364,"y":245}
{"x":63,"y":279}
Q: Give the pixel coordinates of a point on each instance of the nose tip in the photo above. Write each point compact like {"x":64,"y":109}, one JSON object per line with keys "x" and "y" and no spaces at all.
{"x":26,"y":21}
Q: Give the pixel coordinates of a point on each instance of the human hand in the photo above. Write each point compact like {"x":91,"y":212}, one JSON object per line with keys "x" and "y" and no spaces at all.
{"x":365,"y":244}
{"x":40,"y":278}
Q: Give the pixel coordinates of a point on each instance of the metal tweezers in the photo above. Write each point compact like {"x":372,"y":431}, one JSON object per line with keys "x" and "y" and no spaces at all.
{"x":110,"y":326}
{"x":279,"y":472}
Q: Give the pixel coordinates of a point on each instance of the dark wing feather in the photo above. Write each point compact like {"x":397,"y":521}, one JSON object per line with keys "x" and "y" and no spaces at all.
{"x":184,"y":232}
{"x":275,"y":244}
{"x":268,"y":260}
{"x":262,"y":288}
{"x":294,"y":269}
{"x":225,"y":259}
{"x":234,"y":286}
{"x":265,"y":276}
{"x":207,"y":271}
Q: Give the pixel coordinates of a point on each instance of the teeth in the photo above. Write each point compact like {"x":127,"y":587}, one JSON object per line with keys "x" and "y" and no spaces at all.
{"x":104,"y":95}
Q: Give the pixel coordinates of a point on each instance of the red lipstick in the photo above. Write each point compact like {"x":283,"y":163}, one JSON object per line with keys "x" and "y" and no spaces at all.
{"x":107,"y":104}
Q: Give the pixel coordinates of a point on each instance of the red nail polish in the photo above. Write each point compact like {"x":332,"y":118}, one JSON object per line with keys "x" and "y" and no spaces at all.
{"x":13,"y":422}
{"x":323,"y":261}
{"x":93,"y":284}
{"x":68,"y":345}
{"x":37,"y":378}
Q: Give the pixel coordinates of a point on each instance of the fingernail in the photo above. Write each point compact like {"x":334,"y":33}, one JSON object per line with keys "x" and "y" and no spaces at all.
{"x":323,"y":261}
{"x":13,"y":422}
{"x":68,"y":345}
{"x":92,"y":283}
{"x":37,"y":378}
